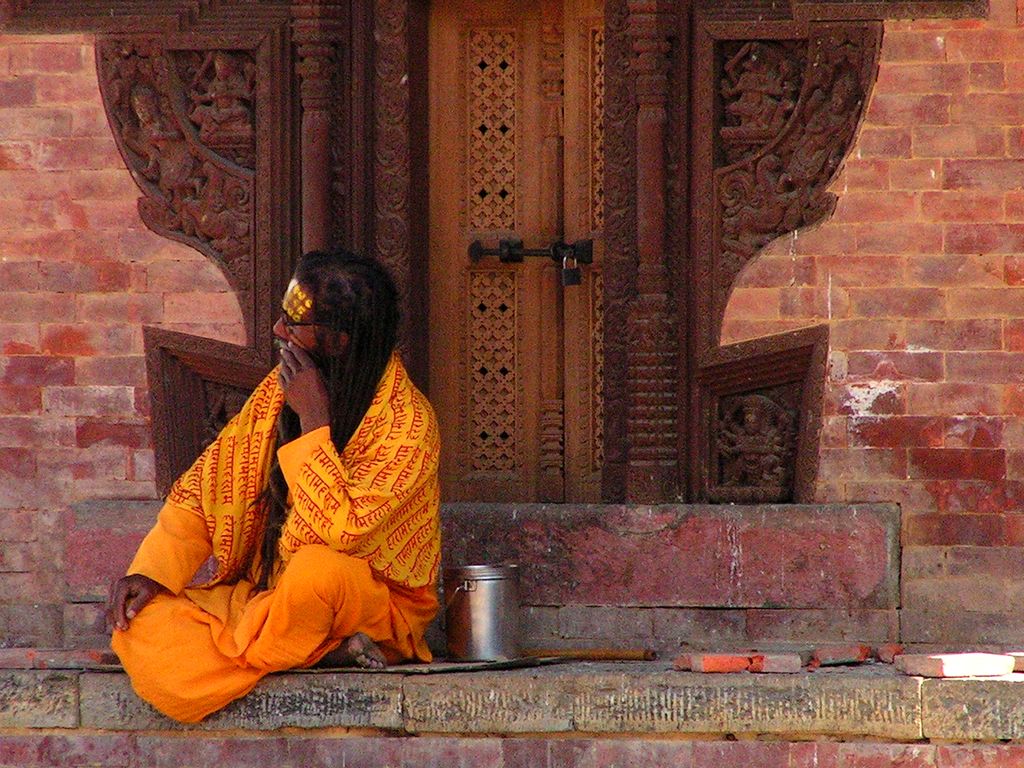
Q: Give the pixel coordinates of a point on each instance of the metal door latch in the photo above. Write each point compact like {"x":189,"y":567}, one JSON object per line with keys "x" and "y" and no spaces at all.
{"x":512,"y":252}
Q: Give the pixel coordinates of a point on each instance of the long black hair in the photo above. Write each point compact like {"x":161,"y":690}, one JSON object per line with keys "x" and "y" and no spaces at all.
{"x":354,"y":295}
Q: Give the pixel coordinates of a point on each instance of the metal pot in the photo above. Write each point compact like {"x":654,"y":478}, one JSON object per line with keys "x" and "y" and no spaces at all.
{"x":482,"y":612}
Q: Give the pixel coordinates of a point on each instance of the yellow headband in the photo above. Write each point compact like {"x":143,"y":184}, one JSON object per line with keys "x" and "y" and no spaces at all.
{"x":297,"y":304}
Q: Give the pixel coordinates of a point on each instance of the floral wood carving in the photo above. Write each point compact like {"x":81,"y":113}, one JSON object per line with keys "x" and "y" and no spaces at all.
{"x":392,"y":164}
{"x":783,"y":186}
{"x":185,"y":124}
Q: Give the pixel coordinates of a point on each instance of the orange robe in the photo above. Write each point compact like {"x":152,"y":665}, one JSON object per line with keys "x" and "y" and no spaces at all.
{"x":359,"y":552}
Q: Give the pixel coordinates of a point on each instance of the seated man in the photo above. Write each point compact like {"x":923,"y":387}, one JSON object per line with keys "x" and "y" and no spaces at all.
{"x":319,"y":501}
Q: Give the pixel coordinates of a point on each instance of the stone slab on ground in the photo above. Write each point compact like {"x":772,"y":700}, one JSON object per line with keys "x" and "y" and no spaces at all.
{"x":621,"y":698}
{"x":809,"y":556}
{"x":526,"y":701}
{"x":31,"y":699}
{"x":350,"y":700}
{"x":974,"y":709}
{"x":865,"y":702}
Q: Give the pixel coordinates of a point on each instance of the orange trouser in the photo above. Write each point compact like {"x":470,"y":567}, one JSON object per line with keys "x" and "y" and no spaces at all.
{"x":188,"y":663}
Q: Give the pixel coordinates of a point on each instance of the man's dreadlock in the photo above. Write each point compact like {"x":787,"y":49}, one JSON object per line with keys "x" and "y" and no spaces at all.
{"x":352,"y":295}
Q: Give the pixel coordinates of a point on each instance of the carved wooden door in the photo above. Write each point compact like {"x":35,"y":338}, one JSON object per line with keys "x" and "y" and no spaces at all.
{"x":516,"y":93}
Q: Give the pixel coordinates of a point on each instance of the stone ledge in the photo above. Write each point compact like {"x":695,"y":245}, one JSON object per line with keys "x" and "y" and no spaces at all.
{"x":634,"y":698}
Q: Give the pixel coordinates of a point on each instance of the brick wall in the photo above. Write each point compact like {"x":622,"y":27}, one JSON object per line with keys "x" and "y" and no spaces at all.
{"x":80,"y":275}
{"x":920,"y":276}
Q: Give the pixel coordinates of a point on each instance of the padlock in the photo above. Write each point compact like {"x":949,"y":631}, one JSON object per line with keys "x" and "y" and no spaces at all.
{"x":570,"y":275}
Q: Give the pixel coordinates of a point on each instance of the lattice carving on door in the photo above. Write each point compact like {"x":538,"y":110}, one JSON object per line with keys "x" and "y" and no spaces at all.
{"x":597,"y":370}
{"x":491,"y":82}
{"x":596,"y":103}
{"x":493,"y":381}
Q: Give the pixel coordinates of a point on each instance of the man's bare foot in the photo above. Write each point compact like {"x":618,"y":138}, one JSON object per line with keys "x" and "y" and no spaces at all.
{"x":357,"y":650}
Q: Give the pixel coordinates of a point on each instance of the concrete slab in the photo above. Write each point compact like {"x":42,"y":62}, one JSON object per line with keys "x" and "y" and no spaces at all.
{"x":862,"y":702}
{"x":974,"y":709}
{"x":522,"y":701}
{"x":301,"y":700}
{"x":30,"y":699}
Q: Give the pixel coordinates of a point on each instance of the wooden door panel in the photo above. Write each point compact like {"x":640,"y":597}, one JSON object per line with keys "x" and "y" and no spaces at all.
{"x":512,"y":352}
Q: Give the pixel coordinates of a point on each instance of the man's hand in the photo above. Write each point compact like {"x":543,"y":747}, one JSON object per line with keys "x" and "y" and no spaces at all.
{"x":128,"y":596}
{"x":304,"y":388}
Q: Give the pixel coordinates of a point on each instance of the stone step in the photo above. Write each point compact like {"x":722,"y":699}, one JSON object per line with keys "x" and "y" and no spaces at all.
{"x":626,"y":698}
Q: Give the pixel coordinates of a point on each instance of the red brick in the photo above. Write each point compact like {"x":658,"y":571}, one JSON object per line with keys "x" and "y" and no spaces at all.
{"x":884,"y":142}
{"x":129,"y":371}
{"x":832,"y":655}
{"x":683,"y":662}
{"x":1013,"y":270}
{"x":856,"y":207}
{"x":720,"y":662}
{"x":1014,"y":336}
{"x":887,"y":652}
{"x":878,"y":464}
{"x":763,"y":272}
{"x":908,"y":109}
{"x":1014,"y":205}
{"x":143,"y":467}
{"x":1013,"y":400}
{"x":983,"y":174}
{"x":88,"y":401}
{"x":915,"y":175}
{"x":34,"y":431}
{"x":897,"y":301}
{"x":954,"y":334}
{"x":202,"y":275}
{"x":954,"y":399}
{"x":986,"y":302}
{"x":991,"y":44}
{"x":85,"y":340}
{"x":74,"y":153}
{"x":957,"y":463}
{"x":67,"y":88}
{"x":984,"y":238}
{"x":20,"y":275}
{"x":17,"y":92}
{"x":34,"y":123}
{"x":813,"y":754}
{"x":776,"y":662}
{"x":949,"y":529}
{"x":868,"y":334}
{"x":983,"y":367}
{"x":961,"y":206}
{"x":900,"y":45}
{"x":973,"y":432}
{"x":987,"y":76}
{"x":823,"y":240}
{"x":866,"y":174}
{"x":31,"y":370}
{"x":120,"y":308}
{"x":36,"y":307}
{"x":806,"y":302}
{"x":86,"y":278}
{"x":921,"y":78}
{"x":921,"y":366}
{"x":216,"y":307}
{"x":871,"y":398}
{"x":899,"y":238}
{"x":103,"y":432}
{"x":979,"y":756}
{"x":896,"y":431}
{"x":46,"y":57}
{"x":975,"y":496}
{"x":17,"y":155}
{"x":15,"y":399}
{"x":989,"y":109}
